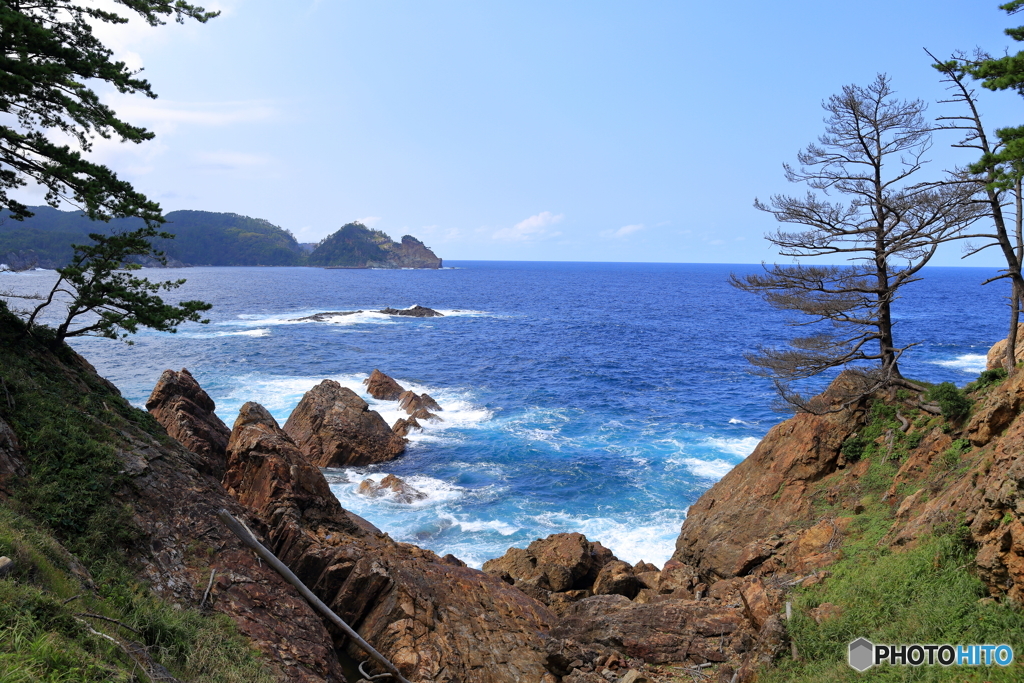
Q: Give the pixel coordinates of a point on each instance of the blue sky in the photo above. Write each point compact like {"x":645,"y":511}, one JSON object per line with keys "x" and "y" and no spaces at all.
{"x":593,"y":131}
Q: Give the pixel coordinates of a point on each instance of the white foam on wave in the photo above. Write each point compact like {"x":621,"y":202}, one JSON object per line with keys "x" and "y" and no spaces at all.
{"x":741,"y":447}
{"x":651,"y":538}
{"x":261,"y":332}
{"x":345,"y":485}
{"x":277,"y":394}
{"x":478,"y":526}
{"x":969,"y":362}
{"x":737,"y":421}
{"x":707,"y":469}
{"x":295,"y":318}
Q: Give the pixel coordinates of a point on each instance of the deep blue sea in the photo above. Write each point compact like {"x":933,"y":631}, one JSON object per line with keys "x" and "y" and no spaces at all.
{"x":593,"y":397}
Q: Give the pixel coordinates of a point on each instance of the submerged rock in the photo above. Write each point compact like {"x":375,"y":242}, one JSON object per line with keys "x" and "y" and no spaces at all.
{"x":403,"y":493}
{"x":382,"y":387}
{"x":323,"y":317}
{"x":333,"y":427}
{"x":414,"y":312}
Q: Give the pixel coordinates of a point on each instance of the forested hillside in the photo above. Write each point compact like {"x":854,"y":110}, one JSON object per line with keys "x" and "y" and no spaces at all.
{"x":205,"y":238}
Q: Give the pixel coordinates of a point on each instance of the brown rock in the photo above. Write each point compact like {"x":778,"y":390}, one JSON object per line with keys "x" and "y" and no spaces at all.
{"x":557,"y":563}
{"x":617,"y":578}
{"x":726,"y":530}
{"x":382,"y":387}
{"x":418,"y":405}
{"x":186,"y":411}
{"x":997,"y":353}
{"x":403,"y":426}
{"x":666,"y":631}
{"x":402,"y":492}
{"x":333,"y":427}
{"x":434,"y":618}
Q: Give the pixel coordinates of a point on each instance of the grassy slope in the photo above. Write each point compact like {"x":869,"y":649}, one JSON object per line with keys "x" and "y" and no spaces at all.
{"x":923,"y":594}
{"x":67,"y":533}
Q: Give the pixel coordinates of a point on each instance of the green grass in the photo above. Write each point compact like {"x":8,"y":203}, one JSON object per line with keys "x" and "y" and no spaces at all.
{"x":69,"y":537}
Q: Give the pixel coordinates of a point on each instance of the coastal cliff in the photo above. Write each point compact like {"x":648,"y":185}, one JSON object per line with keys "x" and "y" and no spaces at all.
{"x":824,"y":501}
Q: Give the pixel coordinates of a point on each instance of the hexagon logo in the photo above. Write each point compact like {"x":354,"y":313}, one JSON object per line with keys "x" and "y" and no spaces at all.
{"x":861,"y":655}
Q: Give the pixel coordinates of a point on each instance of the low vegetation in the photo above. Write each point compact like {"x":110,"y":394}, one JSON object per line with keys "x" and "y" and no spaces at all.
{"x":73,"y":588}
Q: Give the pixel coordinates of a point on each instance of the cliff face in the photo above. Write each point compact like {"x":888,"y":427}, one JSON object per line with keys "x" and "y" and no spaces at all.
{"x":786,"y":507}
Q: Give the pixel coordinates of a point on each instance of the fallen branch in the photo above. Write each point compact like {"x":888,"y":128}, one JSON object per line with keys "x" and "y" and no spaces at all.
{"x":213,"y":572}
{"x":113,"y":621}
{"x":248,"y":539}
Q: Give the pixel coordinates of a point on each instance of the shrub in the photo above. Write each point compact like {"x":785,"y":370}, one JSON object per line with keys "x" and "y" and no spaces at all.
{"x":952,"y":402}
{"x":987,"y":379}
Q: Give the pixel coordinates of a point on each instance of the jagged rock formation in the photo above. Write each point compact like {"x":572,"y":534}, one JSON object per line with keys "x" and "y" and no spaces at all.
{"x":434,"y":618}
{"x":187,"y":413}
{"x":403,"y":426}
{"x":401,"y":492}
{"x":336,"y":428}
{"x":382,"y":387}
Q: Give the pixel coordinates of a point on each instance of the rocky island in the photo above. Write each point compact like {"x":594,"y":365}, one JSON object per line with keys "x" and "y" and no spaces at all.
{"x":884,"y":481}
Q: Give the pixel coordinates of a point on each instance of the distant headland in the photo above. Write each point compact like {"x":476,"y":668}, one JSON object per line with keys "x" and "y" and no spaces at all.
{"x":206,"y":238}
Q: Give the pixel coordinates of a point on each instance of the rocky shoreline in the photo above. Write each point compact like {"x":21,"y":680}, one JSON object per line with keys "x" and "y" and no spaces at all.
{"x":564,"y":608}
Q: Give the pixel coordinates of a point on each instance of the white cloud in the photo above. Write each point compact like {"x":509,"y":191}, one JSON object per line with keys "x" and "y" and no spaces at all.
{"x":369,"y":221}
{"x":623,"y":231}
{"x":529,"y":229}
{"x":227,"y":160}
{"x":164,"y":116}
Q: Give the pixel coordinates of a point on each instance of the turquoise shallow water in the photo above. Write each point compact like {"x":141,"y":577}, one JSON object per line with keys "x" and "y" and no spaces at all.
{"x":601,"y":398}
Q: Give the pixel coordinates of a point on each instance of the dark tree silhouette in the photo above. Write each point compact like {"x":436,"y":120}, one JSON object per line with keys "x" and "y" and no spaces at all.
{"x":886,"y":228}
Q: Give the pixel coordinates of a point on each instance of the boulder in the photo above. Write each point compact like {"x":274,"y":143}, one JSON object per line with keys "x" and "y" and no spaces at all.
{"x":186,"y":411}
{"x":333,"y":427}
{"x":558,"y":563}
{"x":413,"y":403}
{"x":401,"y":492}
{"x":382,"y":387}
{"x":403,"y":426}
{"x":617,"y":578}
{"x":435,"y":618}
{"x":997,"y":353}
{"x":414,"y":312}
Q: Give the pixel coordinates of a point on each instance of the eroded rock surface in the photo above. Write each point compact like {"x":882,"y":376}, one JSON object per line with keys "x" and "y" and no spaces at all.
{"x":434,"y":618}
{"x":382,"y":387}
{"x":393,"y":487}
{"x":336,"y":428}
{"x":186,"y":411}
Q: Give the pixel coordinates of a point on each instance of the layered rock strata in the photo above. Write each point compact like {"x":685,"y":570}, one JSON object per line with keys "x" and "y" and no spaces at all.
{"x":187,"y":413}
{"x":433,"y":617}
{"x":382,"y":387}
{"x":335,"y":428}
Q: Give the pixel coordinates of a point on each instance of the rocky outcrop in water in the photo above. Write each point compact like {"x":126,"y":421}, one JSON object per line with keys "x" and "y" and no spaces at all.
{"x":392,"y":487}
{"x":187,"y":413}
{"x":433,"y":617}
{"x":336,"y":428}
{"x":403,"y":426}
{"x":414,"y":312}
{"x":382,"y":387}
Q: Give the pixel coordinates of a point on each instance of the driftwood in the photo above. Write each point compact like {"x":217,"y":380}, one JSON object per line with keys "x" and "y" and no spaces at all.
{"x":248,"y":539}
